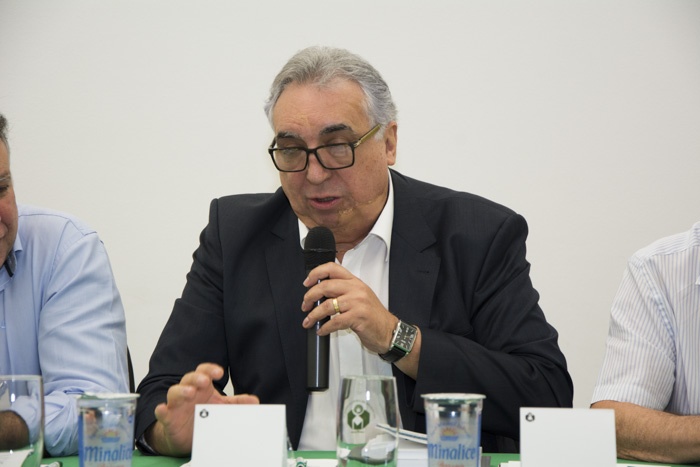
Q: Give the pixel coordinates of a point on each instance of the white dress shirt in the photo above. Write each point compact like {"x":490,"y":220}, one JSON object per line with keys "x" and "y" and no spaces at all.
{"x":653,"y":347}
{"x":369,"y":261}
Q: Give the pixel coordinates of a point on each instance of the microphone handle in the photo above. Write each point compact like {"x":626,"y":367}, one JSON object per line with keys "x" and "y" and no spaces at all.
{"x":317,"y":357}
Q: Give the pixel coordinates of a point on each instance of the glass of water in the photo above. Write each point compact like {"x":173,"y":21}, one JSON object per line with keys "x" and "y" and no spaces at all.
{"x":367,"y":405}
{"x":22,"y":419}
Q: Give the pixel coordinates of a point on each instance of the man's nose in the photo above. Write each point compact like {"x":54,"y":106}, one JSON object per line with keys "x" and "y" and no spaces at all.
{"x":315,"y":172}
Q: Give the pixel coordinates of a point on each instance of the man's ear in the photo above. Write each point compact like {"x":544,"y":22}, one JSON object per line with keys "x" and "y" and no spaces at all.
{"x":390,"y":141}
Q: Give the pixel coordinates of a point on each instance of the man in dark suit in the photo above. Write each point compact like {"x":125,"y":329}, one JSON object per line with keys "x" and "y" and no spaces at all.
{"x":442,"y":270}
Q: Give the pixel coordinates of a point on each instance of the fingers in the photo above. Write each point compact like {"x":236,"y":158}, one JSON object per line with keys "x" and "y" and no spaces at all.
{"x":326,"y":271}
{"x":339,"y":285}
{"x":320,"y":313}
{"x":175,"y":402}
{"x":172,"y":434}
{"x":211,"y":370}
{"x":350,"y":303}
{"x":161,"y":411}
{"x":203,"y":377}
{"x":335,"y":281}
{"x":345,"y":293}
{"x":179,"y":397}
{"x":195,"y":387}
{"x":317,"y":274}
{"x":241,"y":399}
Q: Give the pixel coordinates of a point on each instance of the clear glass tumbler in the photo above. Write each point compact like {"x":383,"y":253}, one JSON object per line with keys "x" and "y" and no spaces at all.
{"x":22,"y":419}
{"x":366,"y":404}
{"x":453,"y":423}
{"x":106,"y":429}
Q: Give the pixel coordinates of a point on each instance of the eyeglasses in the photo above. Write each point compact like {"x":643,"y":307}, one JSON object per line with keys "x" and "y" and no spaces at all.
{"x":331,"y":156}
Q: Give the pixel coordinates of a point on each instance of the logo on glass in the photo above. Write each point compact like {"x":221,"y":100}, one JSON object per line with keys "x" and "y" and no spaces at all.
{"x":358,"y":417}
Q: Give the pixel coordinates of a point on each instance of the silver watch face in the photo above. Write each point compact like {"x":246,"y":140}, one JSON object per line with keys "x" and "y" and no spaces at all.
{"x":405,"y":336}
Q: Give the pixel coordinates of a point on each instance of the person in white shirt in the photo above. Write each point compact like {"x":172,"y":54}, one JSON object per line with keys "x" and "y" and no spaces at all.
{"x":651,"y":369}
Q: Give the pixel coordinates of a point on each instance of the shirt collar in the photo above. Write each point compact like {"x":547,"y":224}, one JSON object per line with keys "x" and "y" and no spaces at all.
{"x":10,"y":263}
{"x":381,"y":228}
{"x":11,"y":260}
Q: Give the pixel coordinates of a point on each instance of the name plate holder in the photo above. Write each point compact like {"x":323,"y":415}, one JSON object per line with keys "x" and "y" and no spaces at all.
{"x":239,"y":434}
{"x":552,"y":437}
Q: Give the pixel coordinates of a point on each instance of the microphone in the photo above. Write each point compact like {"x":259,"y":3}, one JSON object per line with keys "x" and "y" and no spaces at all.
{"x":319,"y":248}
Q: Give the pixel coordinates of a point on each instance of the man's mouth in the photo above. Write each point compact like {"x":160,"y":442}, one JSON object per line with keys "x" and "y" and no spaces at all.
{"x":324,"y":201}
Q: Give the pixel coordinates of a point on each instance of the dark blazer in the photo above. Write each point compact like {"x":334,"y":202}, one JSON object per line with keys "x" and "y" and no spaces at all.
{"x":458,"y":271}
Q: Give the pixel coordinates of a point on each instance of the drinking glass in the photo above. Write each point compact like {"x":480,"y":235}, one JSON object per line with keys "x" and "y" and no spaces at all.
{"x":366,"y":404}
{"x":106,"y":429}
{"x":453,"y":423}
{"x":22,"y":419}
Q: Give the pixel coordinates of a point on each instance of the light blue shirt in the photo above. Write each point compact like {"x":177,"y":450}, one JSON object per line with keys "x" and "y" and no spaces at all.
{"x":61,"y":317}
{"x":653,"y":349}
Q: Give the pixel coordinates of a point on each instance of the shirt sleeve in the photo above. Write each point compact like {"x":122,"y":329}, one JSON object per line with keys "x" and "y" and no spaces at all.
{"x":82,"y":337}
{"x":640,"y":356}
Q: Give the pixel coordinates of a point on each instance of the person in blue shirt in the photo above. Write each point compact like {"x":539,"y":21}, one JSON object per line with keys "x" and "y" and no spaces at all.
{"x":61,"y":315}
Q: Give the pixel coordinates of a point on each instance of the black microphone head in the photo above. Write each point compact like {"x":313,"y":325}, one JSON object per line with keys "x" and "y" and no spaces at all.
{"x":319,"y":247}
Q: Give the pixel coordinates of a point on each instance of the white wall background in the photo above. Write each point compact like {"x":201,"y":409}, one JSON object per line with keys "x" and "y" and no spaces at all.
{"x":584,"y":116}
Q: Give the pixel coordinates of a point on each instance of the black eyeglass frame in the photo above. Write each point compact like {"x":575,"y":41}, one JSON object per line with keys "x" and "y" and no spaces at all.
{"x":353,"y":145}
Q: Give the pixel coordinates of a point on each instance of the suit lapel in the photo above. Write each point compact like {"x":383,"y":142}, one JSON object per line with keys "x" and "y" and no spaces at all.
{"x":285,"y":267}
{"x":414,"y":266}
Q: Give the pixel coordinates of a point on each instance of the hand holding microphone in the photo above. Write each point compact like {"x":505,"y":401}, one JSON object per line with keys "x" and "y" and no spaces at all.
{"x":353,"y":302}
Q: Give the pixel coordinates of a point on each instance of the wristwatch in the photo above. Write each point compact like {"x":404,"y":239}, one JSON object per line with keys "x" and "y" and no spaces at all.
{"x":401,"y":343}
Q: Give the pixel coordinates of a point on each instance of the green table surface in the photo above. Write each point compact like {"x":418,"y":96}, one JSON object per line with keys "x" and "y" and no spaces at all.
{"x":140,"y":460}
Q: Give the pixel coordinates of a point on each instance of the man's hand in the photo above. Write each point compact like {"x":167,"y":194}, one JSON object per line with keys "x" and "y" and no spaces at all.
{"x":359,"y":309}
{"x":171,"y":435}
